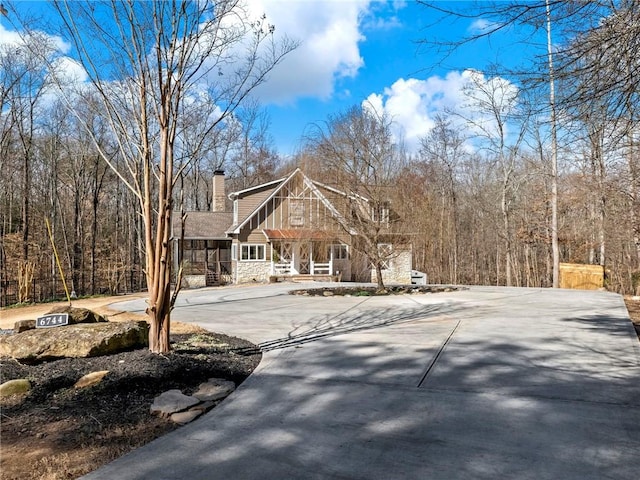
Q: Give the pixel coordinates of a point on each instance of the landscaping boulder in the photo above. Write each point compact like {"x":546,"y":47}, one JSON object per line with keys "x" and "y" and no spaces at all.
{"x":15,"y":387}
{"x":24,"y":325}
{"x":214,"y":389}
{"x":79,"y":315}
{"x":79,"y":340}
{"x":91,"y":379}
{"x":182,"y":418}
{"x":172,"y":401}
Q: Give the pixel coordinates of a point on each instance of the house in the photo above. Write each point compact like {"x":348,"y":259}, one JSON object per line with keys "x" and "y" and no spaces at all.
{"x":291,"y":228}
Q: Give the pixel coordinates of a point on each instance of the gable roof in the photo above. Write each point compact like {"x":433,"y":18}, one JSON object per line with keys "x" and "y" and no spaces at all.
{"x":278,"y":186}
{"x":240,"y":193}
{"x":207,"y":225}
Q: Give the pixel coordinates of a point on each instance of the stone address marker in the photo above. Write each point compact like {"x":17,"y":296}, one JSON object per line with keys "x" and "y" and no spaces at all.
{"x":52,"y":320}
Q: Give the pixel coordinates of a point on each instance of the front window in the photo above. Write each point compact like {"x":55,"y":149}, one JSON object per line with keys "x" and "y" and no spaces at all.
{"x":251,"y":252}
{"x":340,"y":252}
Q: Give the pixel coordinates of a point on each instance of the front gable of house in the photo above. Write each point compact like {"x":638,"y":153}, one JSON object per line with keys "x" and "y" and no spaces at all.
{"x":294,"y":205}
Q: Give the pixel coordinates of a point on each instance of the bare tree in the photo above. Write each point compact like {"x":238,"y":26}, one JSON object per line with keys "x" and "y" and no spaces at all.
{"x":555,"y":250}
{"x":144,"y":60}
{"x":443,"y":147}
{"x":493,"y":110}
{"x":23,"y":84}
{"x":254,"y":160}
{"x":360,"y":157}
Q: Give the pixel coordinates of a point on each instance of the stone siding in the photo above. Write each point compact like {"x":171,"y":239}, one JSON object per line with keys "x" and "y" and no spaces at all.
{"x":399,"y":270}
{"x":247,"y":272}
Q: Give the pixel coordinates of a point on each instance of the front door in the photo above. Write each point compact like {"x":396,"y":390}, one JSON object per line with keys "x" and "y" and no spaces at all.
{"x":302,"y":258}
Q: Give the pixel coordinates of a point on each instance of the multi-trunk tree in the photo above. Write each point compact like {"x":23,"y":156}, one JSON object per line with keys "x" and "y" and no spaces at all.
{"x":144,"y":62}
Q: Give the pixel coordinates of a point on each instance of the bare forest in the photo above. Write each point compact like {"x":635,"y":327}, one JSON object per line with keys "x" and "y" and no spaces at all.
{"x":475,"y":199}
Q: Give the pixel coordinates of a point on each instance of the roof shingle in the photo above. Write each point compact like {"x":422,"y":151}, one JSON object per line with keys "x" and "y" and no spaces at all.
{"x":203,"y":225}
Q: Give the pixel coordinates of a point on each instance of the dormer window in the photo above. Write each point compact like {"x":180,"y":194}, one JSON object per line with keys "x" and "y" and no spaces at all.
{"x":380,"y":213}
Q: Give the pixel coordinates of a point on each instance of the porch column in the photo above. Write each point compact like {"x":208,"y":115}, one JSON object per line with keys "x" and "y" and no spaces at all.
{"x":331,"y":259}
{"x":311,"y":261}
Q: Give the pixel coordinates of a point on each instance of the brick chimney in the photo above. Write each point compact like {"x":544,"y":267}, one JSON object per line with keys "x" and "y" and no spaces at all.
{"x":219,"y":200}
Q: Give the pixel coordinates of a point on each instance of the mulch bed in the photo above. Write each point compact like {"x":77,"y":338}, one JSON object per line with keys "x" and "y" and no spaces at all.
{"x":371,"y":291}
{"x":58,"y":431}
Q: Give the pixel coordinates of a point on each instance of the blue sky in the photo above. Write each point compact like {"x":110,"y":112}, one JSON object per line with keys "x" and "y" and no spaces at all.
{"x":355,"y":51}
{"x":374,"y":58}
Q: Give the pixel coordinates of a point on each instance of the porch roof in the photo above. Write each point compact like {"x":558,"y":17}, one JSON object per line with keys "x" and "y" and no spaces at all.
{"x":297,"y":234}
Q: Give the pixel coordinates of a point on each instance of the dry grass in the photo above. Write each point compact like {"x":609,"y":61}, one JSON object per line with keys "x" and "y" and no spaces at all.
{"x":105,"y":306}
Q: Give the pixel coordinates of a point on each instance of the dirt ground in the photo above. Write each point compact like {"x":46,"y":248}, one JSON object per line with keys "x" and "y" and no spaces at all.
{"x":633,"y":307}
{"x":8,"y":316}
{"x":58,"y":432}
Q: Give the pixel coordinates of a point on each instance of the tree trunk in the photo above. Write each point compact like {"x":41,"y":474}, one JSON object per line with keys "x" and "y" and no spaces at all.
{"x":380,"y":288}
{"x":555,"y":248}
{"x":159,"y":330}
{"x":507,"y":237}
{"x":26,"y":180}
{"x":94,"y":234}
{"x":77,"y":245}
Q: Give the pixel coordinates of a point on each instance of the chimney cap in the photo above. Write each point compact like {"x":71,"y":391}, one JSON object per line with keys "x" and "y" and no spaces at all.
{"x":219,"y":172}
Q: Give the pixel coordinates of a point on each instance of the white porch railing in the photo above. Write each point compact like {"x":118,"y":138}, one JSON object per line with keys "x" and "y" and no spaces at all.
{"x":316,"y":268}
{"x":280,"y":268}
{"x":321,"y":268}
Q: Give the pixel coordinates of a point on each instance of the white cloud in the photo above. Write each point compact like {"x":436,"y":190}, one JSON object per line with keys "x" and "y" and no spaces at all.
{"x":8,"y":37}
{"x":69,"y":70}
{"x":413,"y":104}
{"x":14,"y":38}
{"x":329,"y":32}
{"x":52,"y":46}
{"x":482,"y":26}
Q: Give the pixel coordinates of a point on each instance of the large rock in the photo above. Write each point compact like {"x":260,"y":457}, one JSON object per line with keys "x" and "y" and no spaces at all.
{"x":80,"y":340}
{"x":24,"y":325}
{"x":214,"y":389}
{"x":76,"y":315}
{"x":79,"y":315}
{"x":172,"y":401}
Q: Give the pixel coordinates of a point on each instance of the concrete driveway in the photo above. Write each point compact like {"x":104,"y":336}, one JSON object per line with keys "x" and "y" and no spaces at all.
{"x":487,"y":383}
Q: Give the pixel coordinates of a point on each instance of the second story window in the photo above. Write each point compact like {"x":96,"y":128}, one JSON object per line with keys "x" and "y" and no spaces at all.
{"x":380,"y":214}
{"x":296,"y":212}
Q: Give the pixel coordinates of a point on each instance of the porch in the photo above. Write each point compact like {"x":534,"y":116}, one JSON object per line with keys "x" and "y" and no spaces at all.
{"x":205,"y":262}
{"x":315,"y":257}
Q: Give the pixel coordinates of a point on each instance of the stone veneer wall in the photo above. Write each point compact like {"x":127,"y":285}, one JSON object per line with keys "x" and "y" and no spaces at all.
{"x":246,"y":272}
{"x":399,"y":271}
